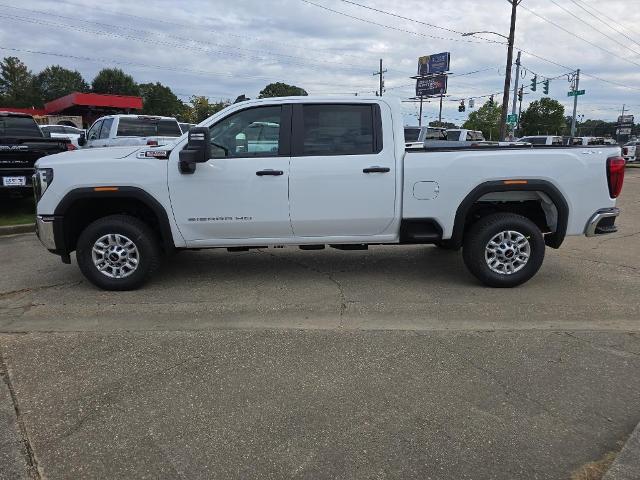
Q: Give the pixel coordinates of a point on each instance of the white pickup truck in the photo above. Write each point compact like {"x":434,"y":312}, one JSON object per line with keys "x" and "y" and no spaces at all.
{"x":120,"y":130}
{"x":340,"y":176}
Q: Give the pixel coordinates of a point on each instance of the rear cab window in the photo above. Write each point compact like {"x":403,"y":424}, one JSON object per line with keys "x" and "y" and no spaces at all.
{"x":148,"y":127}
{"x":411,"y":134}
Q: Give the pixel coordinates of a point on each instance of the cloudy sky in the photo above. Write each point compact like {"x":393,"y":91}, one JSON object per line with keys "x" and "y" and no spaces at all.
{"x":224,"y":48}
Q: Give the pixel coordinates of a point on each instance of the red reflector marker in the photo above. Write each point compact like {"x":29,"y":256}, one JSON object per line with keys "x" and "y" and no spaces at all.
{"x":152,"y":142}
{"x":71,"y":146}
{"x":615,"y":175}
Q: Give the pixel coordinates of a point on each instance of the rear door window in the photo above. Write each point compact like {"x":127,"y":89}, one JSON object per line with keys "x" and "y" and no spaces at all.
{"x":338,"y":129}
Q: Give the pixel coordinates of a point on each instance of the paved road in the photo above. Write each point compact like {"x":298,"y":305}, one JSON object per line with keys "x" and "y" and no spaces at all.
{"x":289,"y":364}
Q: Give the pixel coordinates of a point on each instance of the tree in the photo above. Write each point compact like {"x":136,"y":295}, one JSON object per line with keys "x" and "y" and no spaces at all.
{"x":436,"y":123}
{"x":158,"y":99}
{"x":17,"y":86}
{"x":56,"y":81}
{"x":280,"y":89}
{"x":544,"y":116}
{"x":200,"y":108}
{"x":486,"y":119}
{"x":114,"y":81}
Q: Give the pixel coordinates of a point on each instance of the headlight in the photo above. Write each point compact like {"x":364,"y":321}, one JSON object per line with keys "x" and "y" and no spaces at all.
{"x":41,"y":181}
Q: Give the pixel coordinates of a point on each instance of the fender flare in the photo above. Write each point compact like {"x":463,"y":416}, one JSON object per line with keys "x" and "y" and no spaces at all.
{"x":553,"y":240}
{"x":122,"y":192}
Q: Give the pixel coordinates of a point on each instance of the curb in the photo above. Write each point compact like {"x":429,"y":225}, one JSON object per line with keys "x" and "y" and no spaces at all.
{"x":626,"y":466}
{"x":14,"y":229}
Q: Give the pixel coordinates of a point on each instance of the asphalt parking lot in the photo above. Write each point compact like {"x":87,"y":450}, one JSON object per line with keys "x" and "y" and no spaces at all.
{"x":281,"y":363}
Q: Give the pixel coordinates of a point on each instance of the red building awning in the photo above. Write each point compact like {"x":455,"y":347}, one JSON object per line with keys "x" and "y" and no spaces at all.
{"x":96,"y":100}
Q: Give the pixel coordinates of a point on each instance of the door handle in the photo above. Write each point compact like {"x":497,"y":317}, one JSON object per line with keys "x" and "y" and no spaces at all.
{"x":262,"y":173}
{"x":376,"y":170}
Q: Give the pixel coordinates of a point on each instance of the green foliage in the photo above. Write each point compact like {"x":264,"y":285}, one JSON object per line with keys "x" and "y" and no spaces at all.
{"x":56,"y":81}
{"x":17,"y":85}
{"x":200,"y":108}
{"x":542,"y":117}
{"x":280,"y":89}
{"x":158,"y":99}
{"x":115,"y":82}
{"x":486,"y":119}
{"x":436,"y":123}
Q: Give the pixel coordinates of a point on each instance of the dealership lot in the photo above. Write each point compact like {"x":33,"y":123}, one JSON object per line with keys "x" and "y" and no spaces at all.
{"x":281,"y":363}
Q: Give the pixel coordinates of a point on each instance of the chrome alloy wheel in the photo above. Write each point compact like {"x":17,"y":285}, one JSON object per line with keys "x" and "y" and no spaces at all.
{"x":507,"y":252}
{"x":115,"y":255}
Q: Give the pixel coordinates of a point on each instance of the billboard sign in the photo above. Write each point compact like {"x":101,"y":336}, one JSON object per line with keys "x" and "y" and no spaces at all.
{"x":623,"y":131}
{"x":625,"y":119}
{"x":431,"y":86}
{"x":432,"y":64}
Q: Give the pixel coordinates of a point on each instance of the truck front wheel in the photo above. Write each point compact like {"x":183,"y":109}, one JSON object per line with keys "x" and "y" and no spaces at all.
{"x":118,"y":252}
{"x":503,"y":249}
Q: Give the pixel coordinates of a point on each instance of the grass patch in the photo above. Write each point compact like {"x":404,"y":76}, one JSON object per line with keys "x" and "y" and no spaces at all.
{"x":595,"y":470}
{"x":17,"y":211}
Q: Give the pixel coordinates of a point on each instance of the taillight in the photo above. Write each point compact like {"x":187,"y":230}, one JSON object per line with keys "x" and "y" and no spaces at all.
{"x":152,"y":143}
{"x":71,"y":146}
{"x":615,"y":175}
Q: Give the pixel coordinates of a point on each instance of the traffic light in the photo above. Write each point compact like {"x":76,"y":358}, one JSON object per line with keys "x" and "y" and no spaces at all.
{"x":491,"y":100}
{"x":471,"y":103}
{"x":461,"y":107}
{"x":534,"y":83}
{"x":545,"y":87}
{"x":520,"y":94}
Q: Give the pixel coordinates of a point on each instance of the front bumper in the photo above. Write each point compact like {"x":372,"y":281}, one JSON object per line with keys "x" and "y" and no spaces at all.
{"x":602,"y":222}
{"x":44,"y":230}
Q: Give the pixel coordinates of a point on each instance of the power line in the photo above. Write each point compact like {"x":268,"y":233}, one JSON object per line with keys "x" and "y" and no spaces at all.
{"x":391,"y":27}
{"x":591,"y":26}
{"x":579,"y":37}
{"x":605,"y":16}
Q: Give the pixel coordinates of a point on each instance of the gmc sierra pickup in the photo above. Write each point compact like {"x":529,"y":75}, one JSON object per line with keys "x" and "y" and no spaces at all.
{"x":21,"y":144}
{"x":336,"y":173}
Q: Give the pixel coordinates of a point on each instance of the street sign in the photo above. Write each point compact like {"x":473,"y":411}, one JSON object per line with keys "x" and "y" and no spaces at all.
{"x":512,"y":118}
{"x":431,"y":86}
{"x":625,"y":119}
{"x":431,"y":64}
{"x":573,"y":93}
{"x":623,"y":131}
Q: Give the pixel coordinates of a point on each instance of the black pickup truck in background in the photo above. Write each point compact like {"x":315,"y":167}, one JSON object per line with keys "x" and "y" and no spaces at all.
{"x":21,"y":144}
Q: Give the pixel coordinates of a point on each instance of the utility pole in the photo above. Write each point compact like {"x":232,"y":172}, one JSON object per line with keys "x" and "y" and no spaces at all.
{"x":507,"y":77}
{"x":420,"y":117}
{"x":440,"y":113}
{"x":576,"y":85}
{"x":515,"y":85}
{"x":381,"y":72}
{"x":520,"y":109}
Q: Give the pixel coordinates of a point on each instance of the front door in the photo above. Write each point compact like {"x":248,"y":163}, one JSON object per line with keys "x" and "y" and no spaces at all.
{"x":343,"y":175}
{"x":242,"y":191}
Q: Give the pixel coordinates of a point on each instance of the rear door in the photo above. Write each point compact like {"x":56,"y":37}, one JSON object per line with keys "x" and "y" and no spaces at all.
{"x":343,"y":176}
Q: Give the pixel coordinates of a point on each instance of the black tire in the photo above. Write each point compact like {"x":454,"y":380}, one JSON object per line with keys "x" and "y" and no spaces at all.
{"x":477,"y":239}
{"x":144,"y":239}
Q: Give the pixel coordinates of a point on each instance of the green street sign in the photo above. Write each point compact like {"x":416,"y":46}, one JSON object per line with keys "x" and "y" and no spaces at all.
{"x":512,"y":118}
{"x":573,"y":93}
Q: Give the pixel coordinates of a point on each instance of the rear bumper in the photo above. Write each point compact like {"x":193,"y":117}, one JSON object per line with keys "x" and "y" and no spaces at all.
{"x":602,"y":222}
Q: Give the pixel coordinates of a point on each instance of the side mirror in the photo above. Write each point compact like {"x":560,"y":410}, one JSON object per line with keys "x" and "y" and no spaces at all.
{"x":82,"y":140}
{"x":198,"y":149}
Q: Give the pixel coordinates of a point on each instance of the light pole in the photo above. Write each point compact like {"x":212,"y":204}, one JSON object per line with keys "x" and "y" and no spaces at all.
{"x":507,"y":77}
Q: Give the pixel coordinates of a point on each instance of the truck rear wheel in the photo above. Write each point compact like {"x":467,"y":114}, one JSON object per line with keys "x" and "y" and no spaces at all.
{"x":503,"y":250}
{"x":118,"y":252}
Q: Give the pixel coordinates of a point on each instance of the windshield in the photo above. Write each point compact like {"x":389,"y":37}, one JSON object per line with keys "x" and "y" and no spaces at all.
{"x":19,"y":127}
{"x":148,"y":127}
{"x":411,"y":134}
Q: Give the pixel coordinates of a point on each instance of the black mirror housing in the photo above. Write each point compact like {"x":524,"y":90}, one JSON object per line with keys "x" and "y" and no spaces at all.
{"x":198,"y":149}
{"x":82,"y":140}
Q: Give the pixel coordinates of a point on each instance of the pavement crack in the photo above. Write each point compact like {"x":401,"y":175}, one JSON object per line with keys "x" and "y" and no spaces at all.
{"x":32,"y":463}
{"x":36,"y":289}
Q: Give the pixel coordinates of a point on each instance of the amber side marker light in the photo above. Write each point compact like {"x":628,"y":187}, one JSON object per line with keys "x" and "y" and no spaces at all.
{"x":105,"y":189}
{"x":515,"y":182}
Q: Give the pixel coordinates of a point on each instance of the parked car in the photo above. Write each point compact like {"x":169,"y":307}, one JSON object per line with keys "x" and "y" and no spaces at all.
{"x":185,"y":127}
{"x":629,"y":151}
{"x":21,"y":144}
{"x":119,"y":130}
{"x":587,"y":141}
{"x":63,"y":131}
{"x":543,"y":140}
{"x":464,"y":135}
{"x":340,"y":176}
